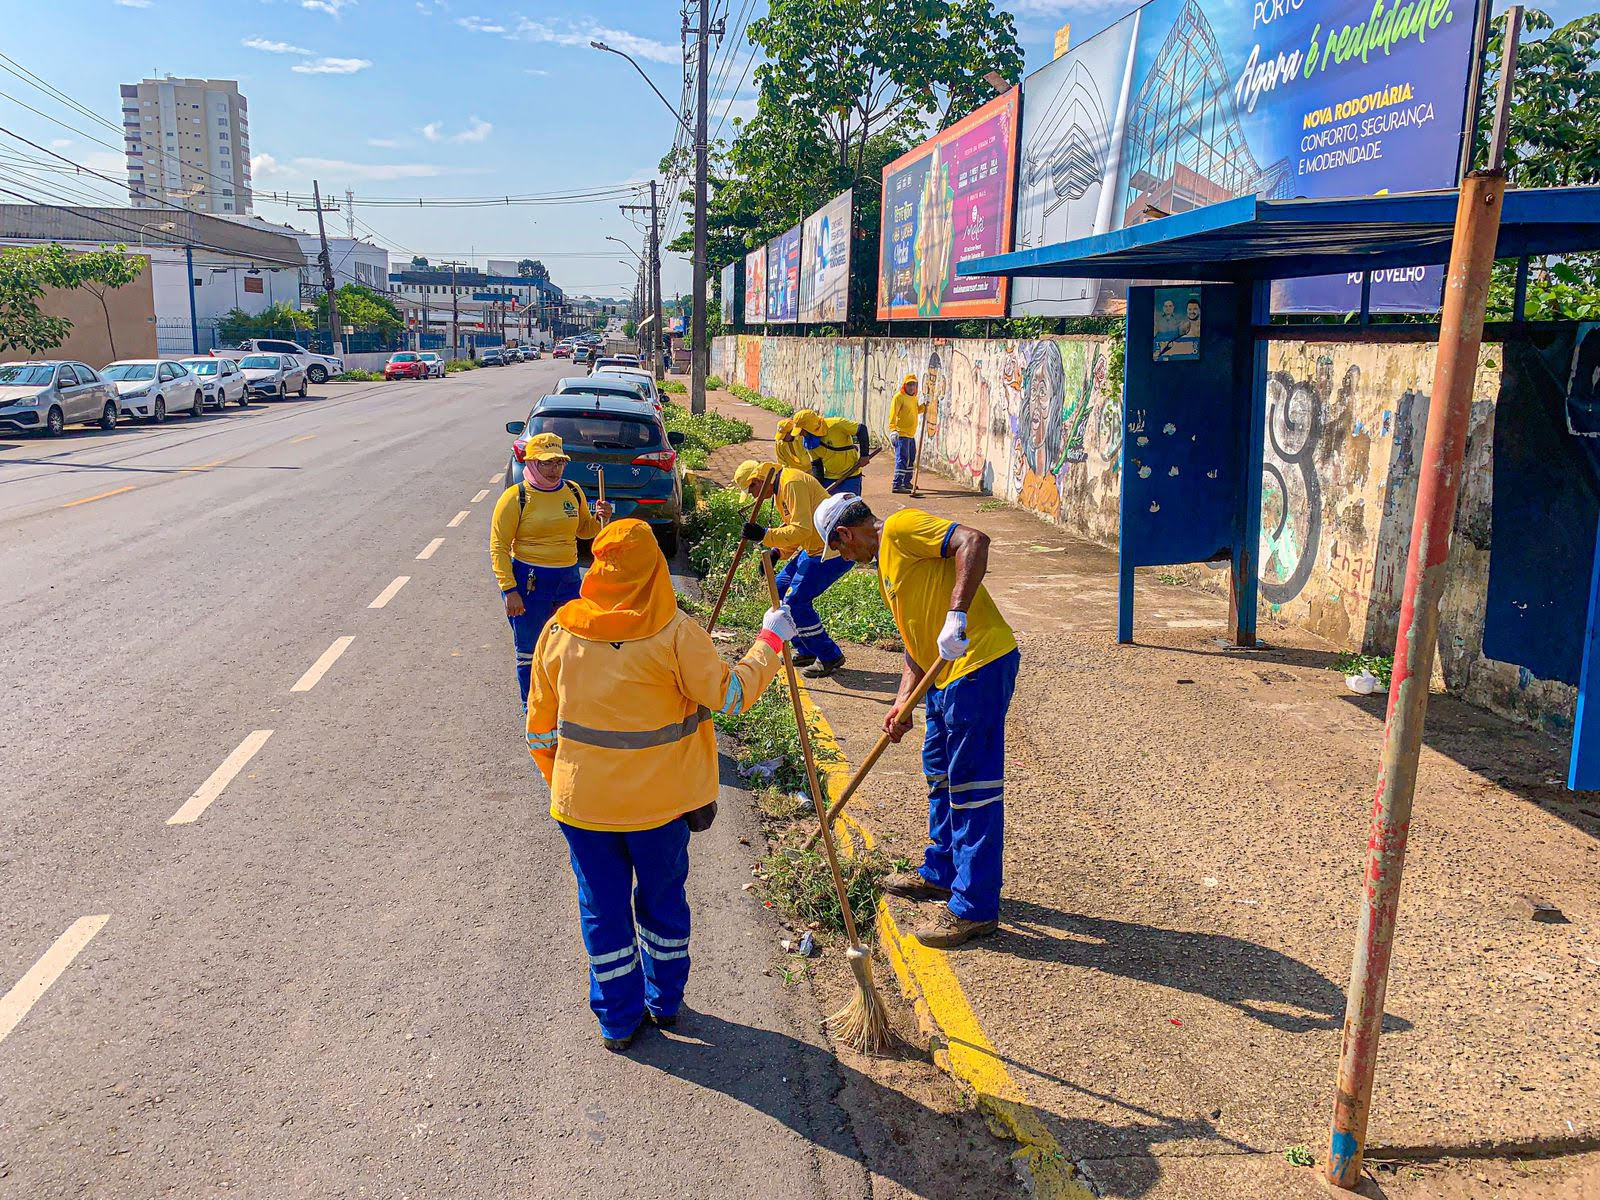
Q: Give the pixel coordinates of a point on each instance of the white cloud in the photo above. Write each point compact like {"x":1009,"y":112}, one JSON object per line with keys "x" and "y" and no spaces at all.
{"x":331,"y":7}
{"x":270,"y":47}
{"x":131,"y":3}
{"x":381,"y":171}
{"x":732,"y":108}
{"x":641,"y":47}
{"x":331,"y":66}
{"x":566,"y":33}
{"x":264,"y":166}
{"x":534,"y":71}
{"x":60,"y":143}
{"x":386,"y":143}
{"x":479,"y":25}
{"x":477,"y":130}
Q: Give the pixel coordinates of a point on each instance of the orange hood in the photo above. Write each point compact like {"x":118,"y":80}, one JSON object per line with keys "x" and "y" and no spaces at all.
{"x":627,"y":594}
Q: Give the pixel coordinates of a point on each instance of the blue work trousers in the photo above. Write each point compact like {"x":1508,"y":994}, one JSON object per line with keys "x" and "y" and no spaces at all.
{"x":851,"y":485}
{"x":802,"y":579}
{"x":544,"y":589}
{"x":905,"y":459}
{"x":964,"y":758}
{"x":630,"y":882}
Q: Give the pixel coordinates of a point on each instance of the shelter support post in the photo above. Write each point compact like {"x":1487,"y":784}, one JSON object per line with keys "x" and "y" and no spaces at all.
{"x":1583,"y":770}
{"x":1460,"y":335}
{"x":1250,"y":351}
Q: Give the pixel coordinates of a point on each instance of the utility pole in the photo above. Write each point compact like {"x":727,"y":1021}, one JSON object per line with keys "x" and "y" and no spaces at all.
{"x":455,"y":311}
{"x":334,"y":325}
{"x":697,"y":315}
{"x":657,"y":339}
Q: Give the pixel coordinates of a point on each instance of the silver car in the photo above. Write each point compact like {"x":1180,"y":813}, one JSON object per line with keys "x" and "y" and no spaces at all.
{"x":274,"y":375}
{"x":435,"y":363}
{"x":221,"y":381}
{"x":150,"y":388}
{"x":49,"y":396}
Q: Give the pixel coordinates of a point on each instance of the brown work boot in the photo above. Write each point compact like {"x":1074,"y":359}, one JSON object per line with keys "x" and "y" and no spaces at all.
{"x":947,"y":931}
{"x":911,"y":885}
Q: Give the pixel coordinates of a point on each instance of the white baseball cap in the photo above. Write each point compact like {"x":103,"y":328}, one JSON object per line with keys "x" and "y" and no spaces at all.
{"x":827,"y":517}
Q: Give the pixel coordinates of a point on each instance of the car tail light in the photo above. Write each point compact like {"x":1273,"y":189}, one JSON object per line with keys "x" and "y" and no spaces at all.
{"x":519,"y":449}
{"x":665,"y":459}
{"x":644,"y":500}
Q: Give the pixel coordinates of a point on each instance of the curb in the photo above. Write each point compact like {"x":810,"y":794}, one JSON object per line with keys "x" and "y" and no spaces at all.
{"x":944,"y":1014}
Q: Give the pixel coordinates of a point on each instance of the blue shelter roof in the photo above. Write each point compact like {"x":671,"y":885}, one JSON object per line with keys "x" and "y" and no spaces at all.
{"x":1249,"y":238}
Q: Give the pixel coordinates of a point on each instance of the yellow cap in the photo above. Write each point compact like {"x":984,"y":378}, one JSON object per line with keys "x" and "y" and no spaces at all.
{"x":785,"y":427}
{"x":808,"y":421}
{"x":544,"y":447}
{"x":750,"y":474}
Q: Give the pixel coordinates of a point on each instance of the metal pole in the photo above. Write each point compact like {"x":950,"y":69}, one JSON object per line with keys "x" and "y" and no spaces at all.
{"x":658,"y":339}
{"x":194,"y":320}
{"x":1439,"y":485}
{"x":697,"y":316}
{"x":327,"y":272}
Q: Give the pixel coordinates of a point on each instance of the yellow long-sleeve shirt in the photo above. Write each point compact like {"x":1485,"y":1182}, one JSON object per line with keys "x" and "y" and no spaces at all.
{"x":903,"y":413}
{"x":838,"y":457}
{"x":542,"y":529}
{"x":798,"y":496}
{"x":622,"y":731}
{"x":791,"y":452}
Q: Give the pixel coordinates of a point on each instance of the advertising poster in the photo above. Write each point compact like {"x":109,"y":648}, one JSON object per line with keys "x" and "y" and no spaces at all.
{"x":783,"y":277}
{"x":945,"y":202}
{"x":1197,"y":101}
{"x":755,"y":286}
{"x":825,"y":262}
{"x":729,"y":286}
{"x":1177,"y":324}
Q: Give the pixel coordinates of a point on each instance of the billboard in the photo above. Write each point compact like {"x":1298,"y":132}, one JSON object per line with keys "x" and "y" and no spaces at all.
{"x":825,"y":262}
{"x":729,"y":288}
{"x":945,"y":202}
{"x":783,"y":277}
{"x":755,"y":286}
{"x":1185,"y":103}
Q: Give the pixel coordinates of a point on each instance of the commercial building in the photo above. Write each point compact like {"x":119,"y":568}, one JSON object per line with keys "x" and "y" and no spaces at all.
{"x":474,"y":308}
{"x":188,"y":144}
{"x":354,"y":260}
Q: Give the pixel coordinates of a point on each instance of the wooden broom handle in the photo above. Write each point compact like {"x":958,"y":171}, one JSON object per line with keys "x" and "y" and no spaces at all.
{"x":738,"y":554}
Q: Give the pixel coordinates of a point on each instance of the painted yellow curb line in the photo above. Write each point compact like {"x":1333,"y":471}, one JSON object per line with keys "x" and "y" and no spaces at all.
{"x":928,"y":981}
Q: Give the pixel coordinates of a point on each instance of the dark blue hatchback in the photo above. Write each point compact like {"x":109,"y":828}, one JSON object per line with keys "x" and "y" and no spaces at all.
{"x":623,"y":438}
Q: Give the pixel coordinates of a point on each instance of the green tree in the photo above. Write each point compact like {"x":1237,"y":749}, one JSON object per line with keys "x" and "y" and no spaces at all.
{"x":630,"y":327}
{"x":276,"y":320}
{"x":27,"y":271}
{"x":418,"y":263}
{"x":362,"y":308}
{"x":532,"y":268}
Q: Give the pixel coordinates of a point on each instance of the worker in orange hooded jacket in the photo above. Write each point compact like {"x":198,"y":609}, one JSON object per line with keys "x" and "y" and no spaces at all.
{"x":619,"y":723}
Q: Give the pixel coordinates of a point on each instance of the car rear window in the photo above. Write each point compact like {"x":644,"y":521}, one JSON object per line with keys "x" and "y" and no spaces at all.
{"x":598,"y":431}
{"x":267,"y":361}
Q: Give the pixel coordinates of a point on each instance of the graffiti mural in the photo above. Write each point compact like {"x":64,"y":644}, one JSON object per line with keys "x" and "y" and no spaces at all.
{"x":1291,"y":500}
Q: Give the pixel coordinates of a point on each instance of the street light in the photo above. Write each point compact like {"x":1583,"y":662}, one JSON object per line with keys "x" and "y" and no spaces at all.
{"x":676,"y":115}
{"x":163,"y":226}
{"x":626,"y":247}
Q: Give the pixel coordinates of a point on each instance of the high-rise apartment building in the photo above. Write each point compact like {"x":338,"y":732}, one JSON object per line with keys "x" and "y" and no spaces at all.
{"x":188,"y":144}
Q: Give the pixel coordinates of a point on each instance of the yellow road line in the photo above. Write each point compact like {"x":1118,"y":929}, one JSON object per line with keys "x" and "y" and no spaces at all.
{"x":427,"y":551}
{"x":480,"y":495}
{"x":304,"y":437}
{"x":459,"y":517}
{"x":928,"y":980}
{"x":101,"y":496}
{"x":26,"y":992}
{"x":219,"y":779}
{"x":388,"y":593}
{"x":320,"y":668}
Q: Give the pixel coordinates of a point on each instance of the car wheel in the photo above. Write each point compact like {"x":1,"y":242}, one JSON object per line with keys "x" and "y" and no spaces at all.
{"x":55,"y":423}
{"x":199,"y":408}
{"x":108,"y":416}
{"x":317,"y":375}
{"x":667,"y":539}
{"x":302,"y":392}
{"x":244,"y":398}
{"x":283,"y":391}
{"x":159,"y":413}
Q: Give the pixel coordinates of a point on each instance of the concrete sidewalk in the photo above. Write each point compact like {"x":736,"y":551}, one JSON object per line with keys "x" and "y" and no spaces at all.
{"x":1186,"y":829}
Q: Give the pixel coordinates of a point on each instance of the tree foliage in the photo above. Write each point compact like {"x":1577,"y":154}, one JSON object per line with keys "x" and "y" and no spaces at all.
{"x":27,"y":271}
{"x":532,"y":268}
{"x":418,"y":263}
{"x":364,"y":309}
{"x":276,"y":320}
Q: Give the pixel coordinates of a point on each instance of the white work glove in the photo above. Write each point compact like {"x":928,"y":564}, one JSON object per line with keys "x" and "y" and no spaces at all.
{"x":780,"y":621}
{"x":953,"y":640}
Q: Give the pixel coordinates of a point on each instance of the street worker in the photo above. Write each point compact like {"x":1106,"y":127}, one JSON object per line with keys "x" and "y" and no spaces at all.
{"x":835,"y":449}
{"x":931,"y":572}
{"x":619,"y":723}
{"x":904,"y":412}
{"x":808,"y":573}
{"x":533,"y":544}
{"x":790,"y":448}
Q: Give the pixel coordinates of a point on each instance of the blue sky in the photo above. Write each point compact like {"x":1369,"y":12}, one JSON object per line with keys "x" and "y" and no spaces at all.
{"x":427,"y":98}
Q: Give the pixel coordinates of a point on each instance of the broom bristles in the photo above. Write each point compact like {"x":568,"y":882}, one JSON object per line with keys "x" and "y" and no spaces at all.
{"x":863,"y":1023}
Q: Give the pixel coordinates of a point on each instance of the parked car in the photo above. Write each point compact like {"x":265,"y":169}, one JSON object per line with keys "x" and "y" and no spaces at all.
{"x":622,"y":437}
{"x":562,"y":351}
{"x":435,"y":363}
{"x":319,"y":368}
{"x":534,"y":354}
{"x":49,"y":395}
{"x":150,"y":388}
{"x":492,"y":358}
{"x":274,"y":375}
{"x":635,"y":374}
{"x":603,"y":386}
{"x":406,"y":364}
{"x":618,"y":360}
{"x":583,"y":354}
{"x":220,"y":381}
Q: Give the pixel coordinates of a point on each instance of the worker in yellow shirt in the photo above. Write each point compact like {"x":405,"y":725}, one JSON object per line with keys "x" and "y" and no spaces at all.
{"x":807,"y":574}
{"x":904,"y":413}
{"x":834,"y":447}
{"x":619,"y":724}
{"x":789,"y":447}
{"x":533,"y":544}
{"x":931,"y":573}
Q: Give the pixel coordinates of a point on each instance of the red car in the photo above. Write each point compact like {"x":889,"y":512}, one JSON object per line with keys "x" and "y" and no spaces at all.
{"x":405,"y":365}
{"x":561,"y":352}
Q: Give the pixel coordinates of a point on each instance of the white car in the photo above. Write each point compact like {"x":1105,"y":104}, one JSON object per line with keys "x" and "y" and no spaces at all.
{"x":221,"y":381}
{"x":639,"y":374}
{"x":150,"y":388}
{"x":274,"y":375}
{"x":435,"y":363}
{"x":319,"y":368}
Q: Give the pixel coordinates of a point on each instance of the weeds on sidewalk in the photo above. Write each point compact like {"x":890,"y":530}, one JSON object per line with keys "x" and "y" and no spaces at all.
{"x":800,"y":885}
{"x":1353,"y":663}
{"x":750,"y":396}
{"x":769,"y":742}
{"x":674,"y":387}
{"x":459,"y":364}
{"x":714,"y":383}
{"x":357,"y":375}
{"x":702,"y":433}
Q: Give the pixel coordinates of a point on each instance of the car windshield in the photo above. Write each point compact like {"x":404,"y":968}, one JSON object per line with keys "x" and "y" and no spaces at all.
{"x":24,"y":375}
{"x":202,"y":366}
{"x":429,"y":357}
{"x":597,"y":431}
{"x":604,"y":387}
{"x":404,"y":358}
{"x":269,"y":361}
{"x":130,"y":371}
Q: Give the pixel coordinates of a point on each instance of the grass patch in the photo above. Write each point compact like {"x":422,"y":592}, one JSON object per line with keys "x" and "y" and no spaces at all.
{"x":1353,"y":663}
{"x":750,"y":396}
{"x":674,"y":388}
{"x":702,"y":434}
{"x":456,"y":365}
{"x":781,"y":806}
{"x":991,"y":506}
{"x":714,"y":382}
{"x":1299,"y":1156}
{"x":1172,"y":579}
{"x":800,"y":885}
{"x":357,"y":375}
{"x":768,"y":738}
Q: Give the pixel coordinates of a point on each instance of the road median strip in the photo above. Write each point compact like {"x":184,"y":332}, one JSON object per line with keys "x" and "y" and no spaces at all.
{"x":27,"y":991}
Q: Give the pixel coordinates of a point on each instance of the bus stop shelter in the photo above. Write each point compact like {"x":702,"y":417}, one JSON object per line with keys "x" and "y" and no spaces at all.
{"x":1195,"y":376}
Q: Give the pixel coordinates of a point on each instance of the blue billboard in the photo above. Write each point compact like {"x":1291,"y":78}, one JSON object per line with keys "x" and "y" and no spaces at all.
{"x":1185,"y":103}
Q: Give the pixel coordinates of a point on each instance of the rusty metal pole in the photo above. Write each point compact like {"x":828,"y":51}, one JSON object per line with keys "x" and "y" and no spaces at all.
{"x":1477,"y":229}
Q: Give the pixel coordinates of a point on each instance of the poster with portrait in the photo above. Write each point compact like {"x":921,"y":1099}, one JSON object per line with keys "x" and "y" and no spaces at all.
{"x":783,"y":277}
{"x":728,"y":282}
{"x":1177,"y":324}
{"x":755,"y":286}
{"x":825,"y":262}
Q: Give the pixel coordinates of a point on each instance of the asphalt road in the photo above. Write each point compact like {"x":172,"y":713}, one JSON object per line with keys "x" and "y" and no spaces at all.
{"x":353,"y":970}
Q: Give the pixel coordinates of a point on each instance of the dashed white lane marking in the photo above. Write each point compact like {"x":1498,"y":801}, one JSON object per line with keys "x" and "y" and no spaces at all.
{"x":320,"y":668}
{"x":219,"y":779}
{"x":388,"y":593}
{"x":459,"y":517}
{"x":427,"y":551}
{"x":495,"y":478}
{"x":26,"y":992}
{"x":480,"y":495}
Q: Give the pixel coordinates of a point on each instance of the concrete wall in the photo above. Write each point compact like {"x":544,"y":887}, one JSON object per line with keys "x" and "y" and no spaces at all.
{"x":132,"y":330}
{"x":1035,"y":422}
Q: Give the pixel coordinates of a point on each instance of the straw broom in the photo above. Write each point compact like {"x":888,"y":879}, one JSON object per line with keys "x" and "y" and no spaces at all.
{"x":862,"y":1024}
